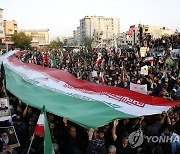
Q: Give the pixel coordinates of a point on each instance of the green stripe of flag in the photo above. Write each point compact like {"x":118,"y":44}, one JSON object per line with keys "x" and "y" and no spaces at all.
{"x":89,"y":114}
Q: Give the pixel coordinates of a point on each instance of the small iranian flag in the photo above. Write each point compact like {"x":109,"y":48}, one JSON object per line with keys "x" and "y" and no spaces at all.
{"x":99,"y":59}
{"x":53,"y":59}
{"x":42,"y":127}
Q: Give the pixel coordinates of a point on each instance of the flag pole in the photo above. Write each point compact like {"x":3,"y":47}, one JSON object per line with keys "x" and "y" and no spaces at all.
{"x":30,"y":144}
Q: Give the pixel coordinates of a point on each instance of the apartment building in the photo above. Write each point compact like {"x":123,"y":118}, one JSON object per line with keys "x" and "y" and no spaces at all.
{"x":76,"y":35}
{"x":10,"y":28}
{"x":131,"y":37}
{"x":1,"y":26}
{"x":40,"y":37}
{"x":99,"y":28}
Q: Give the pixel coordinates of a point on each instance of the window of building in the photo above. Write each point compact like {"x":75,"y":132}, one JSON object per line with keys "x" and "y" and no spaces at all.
{"x":146,"y":30}
{"x":15,"y":25}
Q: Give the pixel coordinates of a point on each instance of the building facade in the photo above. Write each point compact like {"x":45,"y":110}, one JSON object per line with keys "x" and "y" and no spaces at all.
{"x":40,"y":37}
{"x":132,"y":37}
{"x":122,"y":39}
{"x":76,"y":35}
{"x":10,"y":28}
{"x":157,"y":31}
{"x":99,"y":28}
{"x":1,"y":26}
{"x":70,"y":41}
{"x":164,"y":31}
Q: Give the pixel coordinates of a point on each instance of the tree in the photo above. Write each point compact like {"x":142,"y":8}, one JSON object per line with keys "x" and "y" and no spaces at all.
{"x":59,"y":43}
{"x":21,"y":40}
{"x":53,"y":44}
{"x":88,"y":42}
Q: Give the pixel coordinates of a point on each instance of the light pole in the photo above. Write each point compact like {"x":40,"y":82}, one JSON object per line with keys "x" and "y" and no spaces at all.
{"x":134,"y":36}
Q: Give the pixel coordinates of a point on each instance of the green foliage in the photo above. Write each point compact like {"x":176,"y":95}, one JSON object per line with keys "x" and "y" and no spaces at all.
{"x":59,"y":43}
{"x":87,"y":42}
{"x":21,"y":40}
{"x":54,"y":44}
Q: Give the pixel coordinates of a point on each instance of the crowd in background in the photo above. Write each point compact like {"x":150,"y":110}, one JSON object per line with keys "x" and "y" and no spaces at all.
{"x":115,"y":68}
{"x":110,"y":67}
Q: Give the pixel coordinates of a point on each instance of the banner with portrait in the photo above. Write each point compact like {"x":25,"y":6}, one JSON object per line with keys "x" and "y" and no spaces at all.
{"x":144,"y":70}
{"x":5,"y":113}
{"x":8,"y":137}
{"x":138,"y":88}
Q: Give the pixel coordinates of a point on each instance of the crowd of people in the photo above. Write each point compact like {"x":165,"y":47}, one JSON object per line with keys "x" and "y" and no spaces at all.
{"x":114,"y":68}
{"x":102,"y":66}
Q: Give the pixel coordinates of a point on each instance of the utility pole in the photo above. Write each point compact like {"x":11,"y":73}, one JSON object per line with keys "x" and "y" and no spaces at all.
{"x":140,"y":38}
{"x":134,"y":36}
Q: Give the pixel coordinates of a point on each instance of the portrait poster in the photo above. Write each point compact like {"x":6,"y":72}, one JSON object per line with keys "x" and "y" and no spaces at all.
{"x":8,"y":137}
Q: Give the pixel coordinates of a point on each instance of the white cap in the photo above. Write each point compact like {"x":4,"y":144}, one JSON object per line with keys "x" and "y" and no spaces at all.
{"x":174,"y":90}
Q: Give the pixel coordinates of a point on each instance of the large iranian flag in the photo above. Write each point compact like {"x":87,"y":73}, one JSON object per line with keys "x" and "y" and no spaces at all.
{"x":87,"y":104}
{"x":42,"y":128}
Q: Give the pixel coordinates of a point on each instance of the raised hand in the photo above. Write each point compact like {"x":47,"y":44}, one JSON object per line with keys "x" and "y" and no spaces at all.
{"x":115,"y":123}
{"x":65,"y":121}
{"x":90,"y":133}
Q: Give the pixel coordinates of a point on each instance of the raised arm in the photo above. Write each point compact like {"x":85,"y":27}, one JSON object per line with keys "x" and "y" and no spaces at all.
{"x":25,"y":110}
{"x":115,"y":123}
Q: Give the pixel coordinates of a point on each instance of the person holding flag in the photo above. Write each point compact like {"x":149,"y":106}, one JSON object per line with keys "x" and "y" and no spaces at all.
{"x":99,"y":59}
{"x":42,"y":128}
{"x":2,"y":77}
{"x":61,"y":56}
{"x":115,"y":46}
{"x":45,"y":59}
{"x":53,"y":60}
